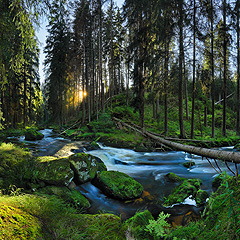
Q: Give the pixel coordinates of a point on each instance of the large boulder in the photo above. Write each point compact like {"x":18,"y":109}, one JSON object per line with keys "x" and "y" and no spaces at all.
{"x":172,"y":177}
{"x":54,"y":171}
{"x":72,"y":197}
{"x":118,"y":185}
{"x":85,"y":167}
{"x":184,"y":190}
{"x":33,"y":135}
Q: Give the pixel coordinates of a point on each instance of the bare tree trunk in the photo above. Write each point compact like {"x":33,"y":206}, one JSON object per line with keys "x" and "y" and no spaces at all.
{"x":181,"y":55}
{"x":224,"y":69}
{"x":194,"y":69}
{"x":238,"y":70}
{"x":212,"y":73}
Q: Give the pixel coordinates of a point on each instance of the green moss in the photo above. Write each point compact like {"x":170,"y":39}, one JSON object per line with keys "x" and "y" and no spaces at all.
{"x":54,"y":171}
{"x":32,"y":134}
{"x":84,"y":166}
{"x":17,"y":224}
{"x":118,"y":185}
{"x":17,"y":166}
{"x":221,"y":216}
{"x":182,"y":191}
{"x":61,"y":221}
{"x":72,"y":197}
{"x":201,"y":197}
{"x":172,"y":177}
{"x":188,"y":164}
{"x":136,"y":225}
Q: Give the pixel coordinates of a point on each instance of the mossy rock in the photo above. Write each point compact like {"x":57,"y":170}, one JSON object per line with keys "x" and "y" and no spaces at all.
{"x":136,"y":225}
{"x":85,"y":167}
{"x":182,"y":191}
{"x":172,"y":177}
{"x":72,"y":197}
{"x":17,"y":224}
{"x":201,"y":197}
{"x":17,"y":166}
{"x":218,"y":181}
{"x":118,"y":185}
{"x":54,"y":171}
{"x":189,"y":164}
{"x":33,"y":135}
{"x":101,"y":165}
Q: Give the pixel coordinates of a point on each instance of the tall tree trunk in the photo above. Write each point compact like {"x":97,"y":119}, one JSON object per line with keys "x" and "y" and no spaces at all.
{"x":100,"y":47}
{"x":185,"y":88}
{"x":165,"y":86}
{"x":212,"y":73}
{"x":224,"y":68}
{"x":181,"y":55}
{"x":194,"y":68}
{"x":238,"y":69}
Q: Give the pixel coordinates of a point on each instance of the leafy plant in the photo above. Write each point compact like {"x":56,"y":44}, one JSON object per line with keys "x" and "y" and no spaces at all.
{"x":158,"y":228}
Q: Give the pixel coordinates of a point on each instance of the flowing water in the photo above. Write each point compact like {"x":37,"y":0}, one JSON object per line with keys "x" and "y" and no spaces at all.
{"x":148,"y":168}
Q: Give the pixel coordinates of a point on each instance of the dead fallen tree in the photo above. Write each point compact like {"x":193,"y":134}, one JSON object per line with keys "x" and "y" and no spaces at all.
{"x":226,"y":156}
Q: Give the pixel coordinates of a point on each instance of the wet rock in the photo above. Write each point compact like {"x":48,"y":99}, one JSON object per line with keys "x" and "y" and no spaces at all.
{"x":118,"y":185}
{"x":217,"y":182}
{"x":92,"y":146}
{"x":85,"y":167}
{"x":80,"y":150}
{"x":72,"y":197}
{"x":189,"y":164}
{"x":172,"y":177}
{"x":54,"y":171}
{"x":182,"y":191}
{"x":33,"y":135}
{"x":116,"y":161}
{"x":201,"y":197}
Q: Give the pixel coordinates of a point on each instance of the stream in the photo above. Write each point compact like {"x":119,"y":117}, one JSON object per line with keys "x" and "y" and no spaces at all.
{"x":148,"y":168}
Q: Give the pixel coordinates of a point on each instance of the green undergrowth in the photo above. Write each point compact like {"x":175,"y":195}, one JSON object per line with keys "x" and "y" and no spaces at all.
{"x":51,"y":218}
{"x":221,"y":217}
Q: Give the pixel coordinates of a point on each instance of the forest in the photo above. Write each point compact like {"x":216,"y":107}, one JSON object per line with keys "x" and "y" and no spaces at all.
{"x":150,"y":76}
{"x":155,"y":52}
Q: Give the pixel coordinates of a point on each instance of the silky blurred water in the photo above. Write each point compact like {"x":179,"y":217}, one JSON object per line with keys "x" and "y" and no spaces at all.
{"x":148,"y":168}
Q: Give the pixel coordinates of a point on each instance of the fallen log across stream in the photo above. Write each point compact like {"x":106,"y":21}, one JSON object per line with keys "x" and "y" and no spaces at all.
{"x":225,"y":156}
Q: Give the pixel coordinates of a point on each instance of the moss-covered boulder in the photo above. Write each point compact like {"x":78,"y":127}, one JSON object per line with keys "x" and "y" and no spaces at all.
{"x":85,"y":167}
{"x":54,"y":171}
{"x":172,"y":177}
{"x":182,"y":191}
{"x":33,"y":135}
{"x":136,"y":225}
{"x":217,"y":181}
{"x":17,"y":166}
{"x":17,"y":224}
{"x":189,"y":164}
{"x":201,"y":197}
{"x":72,"y":197}
{"x":118,"y":185}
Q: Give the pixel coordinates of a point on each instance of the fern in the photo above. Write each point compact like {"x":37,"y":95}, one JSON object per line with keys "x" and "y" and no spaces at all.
{"x":157,"y":228}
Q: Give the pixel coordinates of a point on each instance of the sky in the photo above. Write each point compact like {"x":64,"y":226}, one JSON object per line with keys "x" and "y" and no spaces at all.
{"x":41,"y":35}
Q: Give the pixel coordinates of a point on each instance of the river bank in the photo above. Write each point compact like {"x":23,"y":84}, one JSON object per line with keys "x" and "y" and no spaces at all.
{"x":126,"y":161}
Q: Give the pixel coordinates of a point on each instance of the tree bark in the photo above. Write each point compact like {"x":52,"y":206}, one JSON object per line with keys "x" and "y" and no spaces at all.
{"x":194,"y":68}
{"x":238,"y":69}
{"x":227,"y":156}
{"x":224,"y":68}
{"x":180,"y":92}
